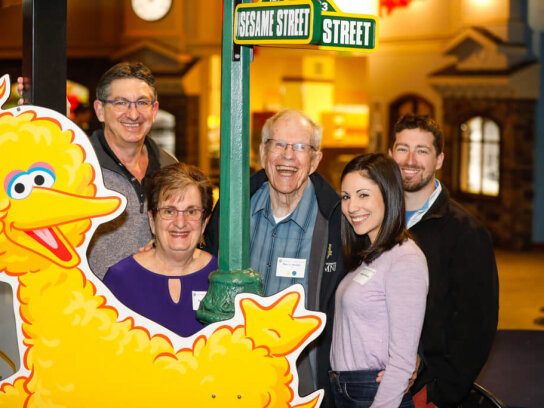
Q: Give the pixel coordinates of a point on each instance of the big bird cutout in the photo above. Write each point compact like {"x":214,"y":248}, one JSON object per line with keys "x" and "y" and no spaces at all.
{"x":79,"y":346}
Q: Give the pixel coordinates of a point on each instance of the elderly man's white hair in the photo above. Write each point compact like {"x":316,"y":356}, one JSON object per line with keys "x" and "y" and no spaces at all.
{"x":317,"y":130}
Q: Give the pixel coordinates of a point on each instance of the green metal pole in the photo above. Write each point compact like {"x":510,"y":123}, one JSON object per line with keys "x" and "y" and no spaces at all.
{"x":234,"y":275}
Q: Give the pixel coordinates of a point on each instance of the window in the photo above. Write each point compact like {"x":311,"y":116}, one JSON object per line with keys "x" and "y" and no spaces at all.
{"x":409,"y":103}
{"x":480,"y":156}
{"x":163,"y":131}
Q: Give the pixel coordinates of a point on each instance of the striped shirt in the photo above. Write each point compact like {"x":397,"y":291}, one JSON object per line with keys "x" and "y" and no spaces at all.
{"x":289,"y":238}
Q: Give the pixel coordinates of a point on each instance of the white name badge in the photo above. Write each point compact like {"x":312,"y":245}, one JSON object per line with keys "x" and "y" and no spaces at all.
{"x":198,"y":295}
{"x":291,"y":268}
{"x":364,"y":275}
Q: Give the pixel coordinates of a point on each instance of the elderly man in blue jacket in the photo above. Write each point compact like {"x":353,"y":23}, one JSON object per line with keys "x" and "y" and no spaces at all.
{"x":295,"y":228}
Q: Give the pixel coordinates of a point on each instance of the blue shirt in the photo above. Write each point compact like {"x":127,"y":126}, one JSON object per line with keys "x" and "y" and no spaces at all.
{"x":413,"y":217}
{"x":289,"y":238}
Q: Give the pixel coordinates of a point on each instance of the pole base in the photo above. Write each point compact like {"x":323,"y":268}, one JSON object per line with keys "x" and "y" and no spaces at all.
{"x":218,"y":304}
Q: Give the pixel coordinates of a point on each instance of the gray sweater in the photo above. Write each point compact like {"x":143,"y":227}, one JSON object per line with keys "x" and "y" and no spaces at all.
{"x":121,"y":237}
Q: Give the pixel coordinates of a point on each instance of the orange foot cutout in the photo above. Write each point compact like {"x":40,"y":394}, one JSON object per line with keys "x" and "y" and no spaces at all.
{"x":288,"y":332}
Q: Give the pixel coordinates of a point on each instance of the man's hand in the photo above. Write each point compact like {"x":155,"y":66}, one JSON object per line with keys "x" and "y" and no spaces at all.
{"x":414,"y":375}
{"x":21,"y":82}
{"x":148,"y":247}
{"x":412,"y":378}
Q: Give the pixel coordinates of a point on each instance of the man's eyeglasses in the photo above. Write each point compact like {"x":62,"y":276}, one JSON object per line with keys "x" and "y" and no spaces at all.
{"x":122,"y":105}
{"x":279,"y":146}
{"x":171,"y":213}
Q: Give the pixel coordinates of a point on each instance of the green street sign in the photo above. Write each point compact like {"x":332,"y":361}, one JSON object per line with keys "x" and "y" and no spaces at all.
{"x":278,"y":22}
{"x":348,"y":32}
{"x":304,"y":22}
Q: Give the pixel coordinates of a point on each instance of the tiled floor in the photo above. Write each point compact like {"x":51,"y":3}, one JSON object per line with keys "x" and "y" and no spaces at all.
{"x":521,"y":280}
{"x":514,"y":368}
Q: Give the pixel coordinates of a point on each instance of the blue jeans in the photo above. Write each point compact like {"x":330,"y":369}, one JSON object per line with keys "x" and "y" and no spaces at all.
{"x":357,"y":389}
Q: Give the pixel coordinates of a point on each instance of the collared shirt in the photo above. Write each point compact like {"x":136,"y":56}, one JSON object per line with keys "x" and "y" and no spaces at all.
{"x":290,"y":238}
{"x":413,"y":217}
{"x":153,"y":165}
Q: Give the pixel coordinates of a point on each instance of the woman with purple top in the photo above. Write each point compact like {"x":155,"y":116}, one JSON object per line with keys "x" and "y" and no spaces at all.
{"x":380,"y":304}
{"x":166,"y":283}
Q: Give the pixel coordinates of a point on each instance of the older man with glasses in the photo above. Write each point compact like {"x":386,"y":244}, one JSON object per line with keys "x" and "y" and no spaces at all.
{"x":126,"y":103}
{"x":295,"y":228}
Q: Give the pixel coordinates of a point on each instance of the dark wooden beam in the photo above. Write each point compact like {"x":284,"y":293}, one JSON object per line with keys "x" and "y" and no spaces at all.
{"x":44,"y":53}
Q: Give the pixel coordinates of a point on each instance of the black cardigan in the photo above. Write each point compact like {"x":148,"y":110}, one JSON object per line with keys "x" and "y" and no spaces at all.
{"x":462,"y":304}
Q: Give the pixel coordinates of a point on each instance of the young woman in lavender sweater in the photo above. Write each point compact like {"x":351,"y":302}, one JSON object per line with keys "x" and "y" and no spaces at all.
{"x":380,"y":304}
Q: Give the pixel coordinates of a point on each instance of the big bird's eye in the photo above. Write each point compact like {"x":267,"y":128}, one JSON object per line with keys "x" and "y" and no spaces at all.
{"x":42,"y":177}
{"x":20,"y":186}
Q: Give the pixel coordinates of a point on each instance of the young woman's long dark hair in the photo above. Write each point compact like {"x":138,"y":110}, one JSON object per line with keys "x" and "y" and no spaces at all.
{"x":385,"y":172}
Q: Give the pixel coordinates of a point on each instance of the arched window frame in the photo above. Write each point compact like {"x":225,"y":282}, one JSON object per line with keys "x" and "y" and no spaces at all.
{"x":408,"y":103}
{"x":479,"y":172}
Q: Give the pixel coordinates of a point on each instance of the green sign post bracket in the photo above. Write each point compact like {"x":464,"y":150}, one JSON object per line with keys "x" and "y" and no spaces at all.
{"x":304,"y":23}
{"x":234,"y":275}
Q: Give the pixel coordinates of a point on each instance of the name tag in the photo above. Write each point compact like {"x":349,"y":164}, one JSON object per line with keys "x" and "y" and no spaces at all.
{"x":364,"y":275}
{"x":291,"y":268}
{"x":198,"y":295}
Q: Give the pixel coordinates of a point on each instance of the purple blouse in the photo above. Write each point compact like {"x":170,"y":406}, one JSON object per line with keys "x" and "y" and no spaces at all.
{"x":147,"y":293}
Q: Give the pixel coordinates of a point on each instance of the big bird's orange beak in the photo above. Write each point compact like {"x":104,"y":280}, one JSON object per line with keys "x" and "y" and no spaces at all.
{"x":33,"y":223}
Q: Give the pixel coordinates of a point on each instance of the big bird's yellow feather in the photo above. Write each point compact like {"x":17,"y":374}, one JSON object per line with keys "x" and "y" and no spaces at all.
{"x":78,"y":351}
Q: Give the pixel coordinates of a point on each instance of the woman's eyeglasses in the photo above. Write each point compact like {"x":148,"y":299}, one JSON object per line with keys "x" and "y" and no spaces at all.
{"x":171,"y":213}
